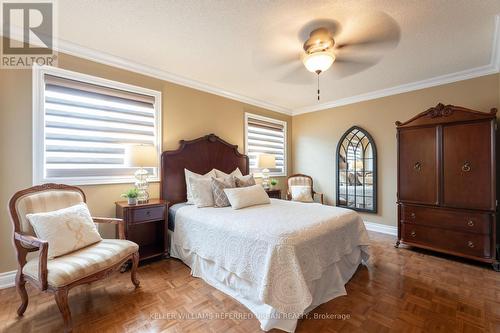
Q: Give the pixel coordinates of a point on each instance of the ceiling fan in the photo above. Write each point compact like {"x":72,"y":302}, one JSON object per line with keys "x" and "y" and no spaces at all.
{"x":338,"y":49}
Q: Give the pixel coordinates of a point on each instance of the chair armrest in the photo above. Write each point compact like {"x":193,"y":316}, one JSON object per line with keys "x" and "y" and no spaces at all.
{"x":320,"y":196}
{"x":112,"y":220}
{"x":43,"y":247}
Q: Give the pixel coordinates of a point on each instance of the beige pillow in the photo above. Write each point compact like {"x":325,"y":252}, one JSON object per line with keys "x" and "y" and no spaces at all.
{"x":221,"y":174}
{"x":301,"y":193}
{"x":66,"y":230}
{"x":244,"y":181}
{"x":189,"y":174}
{"x":247,"y":196}
{"x":201,"y":190}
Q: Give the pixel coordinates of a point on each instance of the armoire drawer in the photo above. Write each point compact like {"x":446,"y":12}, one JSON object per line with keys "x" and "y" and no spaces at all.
{"x":444,"y":218}
{"x":471,"y":244}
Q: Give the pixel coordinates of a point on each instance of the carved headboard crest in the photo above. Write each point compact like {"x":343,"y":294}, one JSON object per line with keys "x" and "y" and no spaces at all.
{"x":199,"y":155}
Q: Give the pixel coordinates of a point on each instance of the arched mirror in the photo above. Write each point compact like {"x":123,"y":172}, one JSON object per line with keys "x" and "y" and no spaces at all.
{"x":357,"y":171}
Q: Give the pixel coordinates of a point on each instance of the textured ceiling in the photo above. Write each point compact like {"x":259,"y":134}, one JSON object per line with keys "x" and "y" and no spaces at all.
{"x":251,"y":47}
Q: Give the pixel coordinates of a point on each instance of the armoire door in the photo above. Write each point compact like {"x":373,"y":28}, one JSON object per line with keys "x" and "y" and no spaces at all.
{"x":418,"y":165}
{"x":467,"y":165}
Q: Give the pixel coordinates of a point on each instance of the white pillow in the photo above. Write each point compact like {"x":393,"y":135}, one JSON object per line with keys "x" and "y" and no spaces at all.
{"x":241,"y":197}
{"x":201,"y":189}
{"x":66,"y":230}
{"x":189,"y":174}
{"x":301,"y":193}
{"x":221,"y":174}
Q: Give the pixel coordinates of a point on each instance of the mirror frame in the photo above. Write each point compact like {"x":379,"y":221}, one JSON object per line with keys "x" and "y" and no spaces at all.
{"x":375,"y":173}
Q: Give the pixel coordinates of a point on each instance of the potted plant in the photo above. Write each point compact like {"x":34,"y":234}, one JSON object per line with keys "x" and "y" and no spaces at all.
{"x":273,"y":182}
{"x":131,"y":196}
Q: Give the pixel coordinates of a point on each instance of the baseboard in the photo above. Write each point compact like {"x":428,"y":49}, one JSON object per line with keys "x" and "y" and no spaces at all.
{"x":382,"y":228}
{"x":7,"y":279}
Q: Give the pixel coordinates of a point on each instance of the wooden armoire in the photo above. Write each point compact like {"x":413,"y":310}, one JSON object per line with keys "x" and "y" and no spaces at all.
{"x":447,"y":182}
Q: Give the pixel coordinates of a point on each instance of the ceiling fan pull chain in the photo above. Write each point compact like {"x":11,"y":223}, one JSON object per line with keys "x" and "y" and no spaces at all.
{"x":318,"y":87}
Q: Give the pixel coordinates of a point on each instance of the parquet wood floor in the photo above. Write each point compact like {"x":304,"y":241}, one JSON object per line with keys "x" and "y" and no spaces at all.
{"x":401,"y":290}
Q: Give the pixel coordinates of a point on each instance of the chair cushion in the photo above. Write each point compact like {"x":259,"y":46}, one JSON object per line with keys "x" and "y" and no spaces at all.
{"x":67,"y":230}
{"x":82,"y":263}
{"x":302,"y":193}
{"x":46,"y":201}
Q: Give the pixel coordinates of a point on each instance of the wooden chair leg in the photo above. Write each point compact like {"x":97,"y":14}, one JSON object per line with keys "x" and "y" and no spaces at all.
{"x":133,"y":271}
{"x":61,"y":296}
{"x":21,"y":290}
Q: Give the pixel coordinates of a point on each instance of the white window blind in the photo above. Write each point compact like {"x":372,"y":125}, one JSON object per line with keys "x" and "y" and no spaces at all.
{"x":87,"y":127}
{"x":266,"y":136}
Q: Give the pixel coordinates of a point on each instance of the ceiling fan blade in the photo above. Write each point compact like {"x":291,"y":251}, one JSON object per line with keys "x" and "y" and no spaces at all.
{"x":298,"y":75}
{"x":375,"y":32}
{"x":269,"y":60}
{"x":347,"y":66}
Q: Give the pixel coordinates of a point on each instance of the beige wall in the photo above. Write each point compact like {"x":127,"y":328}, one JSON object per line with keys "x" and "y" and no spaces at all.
{"x":187,"y":114}
{"x":315,"y":135}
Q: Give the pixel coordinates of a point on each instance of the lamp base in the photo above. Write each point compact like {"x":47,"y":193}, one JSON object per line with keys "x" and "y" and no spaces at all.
{"x":141,"y":184}
{"x":265,"y":179}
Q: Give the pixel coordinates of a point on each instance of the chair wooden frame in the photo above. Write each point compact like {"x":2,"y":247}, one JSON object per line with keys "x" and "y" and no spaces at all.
{"x":60,"y":293}
{"x":313,"y":192}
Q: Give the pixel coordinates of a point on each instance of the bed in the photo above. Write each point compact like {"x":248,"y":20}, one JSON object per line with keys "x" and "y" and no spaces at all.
{"x":279,"y":260}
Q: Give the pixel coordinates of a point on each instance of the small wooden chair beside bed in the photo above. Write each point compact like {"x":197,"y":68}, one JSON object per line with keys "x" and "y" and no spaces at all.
{"x":72,"y":253}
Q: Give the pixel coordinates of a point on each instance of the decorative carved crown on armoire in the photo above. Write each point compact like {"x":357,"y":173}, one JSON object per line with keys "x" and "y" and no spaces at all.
{"x":447,"y":182}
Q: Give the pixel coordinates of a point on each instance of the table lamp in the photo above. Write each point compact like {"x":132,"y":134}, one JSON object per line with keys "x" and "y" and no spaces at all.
{"x":266,"y":162}
{"x":142,"y":156}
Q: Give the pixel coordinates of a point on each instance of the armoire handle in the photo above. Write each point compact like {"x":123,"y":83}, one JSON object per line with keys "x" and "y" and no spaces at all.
{"x":466,"y":167}
{"x":417,"y":166}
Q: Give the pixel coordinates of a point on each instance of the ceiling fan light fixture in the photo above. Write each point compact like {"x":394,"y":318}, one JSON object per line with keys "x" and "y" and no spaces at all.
{"x":318,"y":62}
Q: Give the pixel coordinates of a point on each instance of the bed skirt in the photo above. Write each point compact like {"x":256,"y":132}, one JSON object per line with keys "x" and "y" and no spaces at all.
{"x":329,"y":286}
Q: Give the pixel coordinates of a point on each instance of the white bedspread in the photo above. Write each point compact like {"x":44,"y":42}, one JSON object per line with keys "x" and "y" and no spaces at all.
{"x":279,"y":248}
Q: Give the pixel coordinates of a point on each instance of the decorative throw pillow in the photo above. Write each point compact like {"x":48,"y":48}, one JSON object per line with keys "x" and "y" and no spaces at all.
{"x":218,"y":186}
{"x":201,"y":190}
{"x":247,"y":196}
{"x":245,"y":181}
{"x":301,"y":193}
{"x":66,"y":230}
{"x":189,"y":174}
{"x":221,"y":174}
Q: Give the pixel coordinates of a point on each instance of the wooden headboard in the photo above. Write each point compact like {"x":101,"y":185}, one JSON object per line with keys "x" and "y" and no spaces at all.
{"x":199,"y":155}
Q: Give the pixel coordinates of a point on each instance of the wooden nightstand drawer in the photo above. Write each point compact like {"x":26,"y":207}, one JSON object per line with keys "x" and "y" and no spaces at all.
{"x":148,"y":214}
{"x":146,"y":224}
{"x":275,"y":194}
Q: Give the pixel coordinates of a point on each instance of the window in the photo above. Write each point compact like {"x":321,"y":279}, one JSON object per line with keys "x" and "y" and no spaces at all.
{"x":265,"y":136}
{"x":83,"y":124}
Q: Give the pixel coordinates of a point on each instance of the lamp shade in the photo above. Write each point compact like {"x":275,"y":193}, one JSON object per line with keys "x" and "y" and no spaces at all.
{"x":142,"y":156}
{"x":318,"y":62}
{"x":266,"y":161}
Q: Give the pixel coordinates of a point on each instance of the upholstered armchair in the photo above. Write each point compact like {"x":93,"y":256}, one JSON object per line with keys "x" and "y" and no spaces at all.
{"x":60,"y":274}
{"x":302,"y":180}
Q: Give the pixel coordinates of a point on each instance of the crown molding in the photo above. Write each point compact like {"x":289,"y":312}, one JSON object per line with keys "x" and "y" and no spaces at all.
{"x":432,"y":82}
{"x":119,"y":62}
{"x":492,"y":68}
{"x":76,"y":50}
{"x":111,"y":60}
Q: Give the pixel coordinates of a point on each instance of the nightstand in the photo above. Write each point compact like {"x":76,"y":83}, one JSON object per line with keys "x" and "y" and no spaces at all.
{"x":147,"y":225}
{"x":275,"y":194}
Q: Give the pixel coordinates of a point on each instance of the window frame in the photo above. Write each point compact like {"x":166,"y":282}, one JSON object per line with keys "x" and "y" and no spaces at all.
{"x":285,"y":137}
{"x":38,"y":130}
